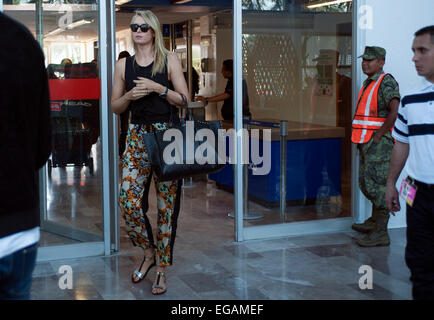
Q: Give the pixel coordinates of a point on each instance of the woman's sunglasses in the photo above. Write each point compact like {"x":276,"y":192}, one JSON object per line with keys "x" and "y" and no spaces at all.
{"x":144,"y":27}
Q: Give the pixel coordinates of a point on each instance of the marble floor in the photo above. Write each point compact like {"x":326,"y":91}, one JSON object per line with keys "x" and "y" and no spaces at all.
{"x":208,"y":264}
{"x":73,"y":203}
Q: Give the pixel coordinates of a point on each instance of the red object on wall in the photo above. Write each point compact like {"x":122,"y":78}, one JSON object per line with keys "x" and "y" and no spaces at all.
{"x":56,"y":106}
{"x":74,"y":89}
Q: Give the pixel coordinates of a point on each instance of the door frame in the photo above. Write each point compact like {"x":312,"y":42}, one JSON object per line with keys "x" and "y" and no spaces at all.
{"x":281,"y":230}
{"x":109,"y":151}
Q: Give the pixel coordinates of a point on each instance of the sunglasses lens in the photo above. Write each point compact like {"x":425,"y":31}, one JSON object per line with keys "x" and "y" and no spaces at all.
{"x":145,"y":27}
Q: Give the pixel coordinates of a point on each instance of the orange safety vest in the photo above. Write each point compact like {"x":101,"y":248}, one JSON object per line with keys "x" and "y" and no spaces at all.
{"x":366,"y":119}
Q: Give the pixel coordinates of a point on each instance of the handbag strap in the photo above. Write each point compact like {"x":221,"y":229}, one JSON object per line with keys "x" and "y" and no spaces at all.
{"x":188,"y":113}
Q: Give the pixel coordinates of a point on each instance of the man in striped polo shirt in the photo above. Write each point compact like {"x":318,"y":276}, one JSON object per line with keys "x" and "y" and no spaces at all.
{"x":414,"y":134}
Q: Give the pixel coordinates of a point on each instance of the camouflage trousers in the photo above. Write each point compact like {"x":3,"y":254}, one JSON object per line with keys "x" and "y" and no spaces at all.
{"x":374,"y":161}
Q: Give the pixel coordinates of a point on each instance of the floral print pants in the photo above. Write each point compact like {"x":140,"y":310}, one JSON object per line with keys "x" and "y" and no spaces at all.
{"x":133,"y":197}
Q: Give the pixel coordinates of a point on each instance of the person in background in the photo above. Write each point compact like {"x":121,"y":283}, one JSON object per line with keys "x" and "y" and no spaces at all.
{"x":151,"y":83}
{"x":66,"y":65}
{"x":196,"y":113}
{"x":65,"y":61}
{"x":50,"y":72}
{"x":414,"y":134}
{"x":228,"y":96}
{"x":25,"y":145}
{"x":124,"y":117}
{"x":95,"y":62}
{"x":376,"y":110}
{"x":195,"y":80}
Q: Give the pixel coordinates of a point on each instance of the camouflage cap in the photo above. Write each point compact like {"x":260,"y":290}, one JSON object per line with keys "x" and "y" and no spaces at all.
{"x":372,"y":53}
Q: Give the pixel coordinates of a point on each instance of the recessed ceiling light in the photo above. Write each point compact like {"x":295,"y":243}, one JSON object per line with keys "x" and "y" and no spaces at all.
{"x":121,"y":2}
{"x":179,"y":1}
{"x":327,"y":3}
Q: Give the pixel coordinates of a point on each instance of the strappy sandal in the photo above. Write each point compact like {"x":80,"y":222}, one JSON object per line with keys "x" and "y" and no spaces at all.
{"x":157,"y":285}
{"x":140,"y":276}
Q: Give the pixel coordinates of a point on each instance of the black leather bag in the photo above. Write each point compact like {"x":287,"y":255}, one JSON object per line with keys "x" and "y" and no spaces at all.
{"x":181,"y":156}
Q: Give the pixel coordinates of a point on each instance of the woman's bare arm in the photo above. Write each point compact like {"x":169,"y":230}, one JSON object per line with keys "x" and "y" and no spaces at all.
{"x":177,"y":77}
{"x":120,"y":99}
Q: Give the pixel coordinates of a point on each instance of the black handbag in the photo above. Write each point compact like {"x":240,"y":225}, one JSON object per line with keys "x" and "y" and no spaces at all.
{"x":175,"y":154}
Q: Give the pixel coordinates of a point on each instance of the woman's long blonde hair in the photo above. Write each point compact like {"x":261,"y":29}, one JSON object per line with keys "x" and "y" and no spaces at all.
{"x":160,"y":52}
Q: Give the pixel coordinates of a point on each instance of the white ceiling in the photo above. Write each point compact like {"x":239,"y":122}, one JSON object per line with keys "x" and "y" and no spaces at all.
{"x":51,"y":17}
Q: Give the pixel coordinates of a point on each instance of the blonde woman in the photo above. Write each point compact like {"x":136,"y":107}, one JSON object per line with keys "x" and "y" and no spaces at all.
{"x":152,"y":81}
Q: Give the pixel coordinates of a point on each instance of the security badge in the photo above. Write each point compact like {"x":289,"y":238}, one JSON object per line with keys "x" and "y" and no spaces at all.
{"x":408,"y":191}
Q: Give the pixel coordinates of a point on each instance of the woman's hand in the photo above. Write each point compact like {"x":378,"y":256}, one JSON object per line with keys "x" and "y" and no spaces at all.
{"x":137,"y":93}
{"x":148,"y":85}
{"x":143,"y":88}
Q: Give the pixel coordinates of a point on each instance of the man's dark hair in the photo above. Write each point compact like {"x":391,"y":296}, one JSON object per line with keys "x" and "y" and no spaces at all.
{"x":427,"y":30}
{"x":229,"y":65}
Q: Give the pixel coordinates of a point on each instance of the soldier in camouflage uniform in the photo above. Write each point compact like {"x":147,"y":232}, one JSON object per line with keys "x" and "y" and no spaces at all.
{"x":375,"y":154}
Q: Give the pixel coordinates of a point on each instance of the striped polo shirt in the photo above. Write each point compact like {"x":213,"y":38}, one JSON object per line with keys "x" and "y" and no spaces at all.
{"x":415,"y":126}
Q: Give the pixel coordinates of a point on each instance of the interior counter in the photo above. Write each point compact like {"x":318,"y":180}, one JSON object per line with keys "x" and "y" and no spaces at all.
{"x":313,"y":165}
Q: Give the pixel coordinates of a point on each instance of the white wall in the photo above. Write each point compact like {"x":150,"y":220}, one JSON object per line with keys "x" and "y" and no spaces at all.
{"x":394,"y":23}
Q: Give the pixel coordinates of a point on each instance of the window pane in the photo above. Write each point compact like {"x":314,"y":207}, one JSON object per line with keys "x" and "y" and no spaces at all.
{"x":69,"y":34}
{"x":297,"y":65}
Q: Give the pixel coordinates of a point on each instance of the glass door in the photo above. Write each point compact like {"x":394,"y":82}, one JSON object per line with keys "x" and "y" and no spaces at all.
{"x":295,"y":58}
{"x":70,"y":42}
{"x":71,"y":184}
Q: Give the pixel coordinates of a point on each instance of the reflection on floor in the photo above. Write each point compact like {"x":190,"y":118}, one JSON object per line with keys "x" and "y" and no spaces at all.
{"x":51,"y":239}
{"x":73,"y":202}
{"x":208,"y":264}
{"x":330,"y":207}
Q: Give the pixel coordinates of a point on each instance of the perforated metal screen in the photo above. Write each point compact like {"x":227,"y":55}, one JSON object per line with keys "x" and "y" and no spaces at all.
{"x":271,"y":67}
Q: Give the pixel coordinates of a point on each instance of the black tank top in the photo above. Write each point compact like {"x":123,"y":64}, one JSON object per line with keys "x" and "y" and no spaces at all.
{"x":151,"y":108}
